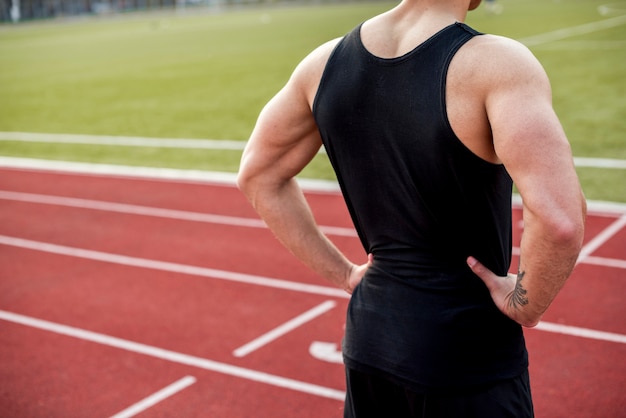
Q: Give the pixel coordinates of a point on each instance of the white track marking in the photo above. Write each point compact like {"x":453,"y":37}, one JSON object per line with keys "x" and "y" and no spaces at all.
{"x":205,"y":272}
{"x":605,"y":262}
{"x":151,"y":173}
{"x":600,"y":162}
{"x":573,"y":31}
{"x":598,"y":261}
{"x":602,"y":238}
{"x":156,"y":397}
{"x":130,"y":209}
{"x":152,"y":211}
{"x":285,"y":328}
{"x":223,"y":144}
{"x":173,"y":267}
{"x":254,"y":223}
{"x":200,"y":176}
{"x":581,"y":332}
{"x":132,"y":141}
{"x":174,"y":356}
{"x":328,"y":352}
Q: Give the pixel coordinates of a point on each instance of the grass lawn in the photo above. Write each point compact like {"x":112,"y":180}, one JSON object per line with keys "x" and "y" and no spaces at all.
{"x":206,"y":73}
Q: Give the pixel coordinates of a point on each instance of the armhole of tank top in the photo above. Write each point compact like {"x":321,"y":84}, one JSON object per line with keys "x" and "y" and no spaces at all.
{"x":325,"y":72}
{"x":444,"y":105}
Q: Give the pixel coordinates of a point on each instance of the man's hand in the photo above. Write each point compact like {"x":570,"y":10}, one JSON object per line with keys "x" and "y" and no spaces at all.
{"x":357,"y":273}
{"x":508,"y":293}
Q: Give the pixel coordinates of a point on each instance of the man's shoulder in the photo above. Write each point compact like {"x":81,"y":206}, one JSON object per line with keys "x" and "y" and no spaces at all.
{"x":497,"y":57}
{"x":499,"y":49}
{"x":308,"y":73}
{"x":320,"y":55}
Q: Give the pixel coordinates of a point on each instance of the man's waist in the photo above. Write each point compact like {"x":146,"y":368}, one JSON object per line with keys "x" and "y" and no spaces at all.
{"x":416,"y":263}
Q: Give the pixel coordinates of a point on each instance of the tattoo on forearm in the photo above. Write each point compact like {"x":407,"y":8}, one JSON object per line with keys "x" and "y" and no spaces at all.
{"x":518,"y":298}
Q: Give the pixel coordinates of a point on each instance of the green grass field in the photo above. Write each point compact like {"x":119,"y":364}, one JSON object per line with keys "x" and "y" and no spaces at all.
{"x":207,"y":73}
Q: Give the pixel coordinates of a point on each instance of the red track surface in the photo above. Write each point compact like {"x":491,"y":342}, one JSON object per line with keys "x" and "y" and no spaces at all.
{"x":118,"y":330}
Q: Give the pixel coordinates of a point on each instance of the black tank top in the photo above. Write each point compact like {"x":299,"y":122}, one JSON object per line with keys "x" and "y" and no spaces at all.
{"x":421,"y":203}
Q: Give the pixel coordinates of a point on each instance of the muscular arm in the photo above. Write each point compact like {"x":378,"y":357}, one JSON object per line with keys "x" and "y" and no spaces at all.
{"x":284,"y":140}
{"x":530,"y":142}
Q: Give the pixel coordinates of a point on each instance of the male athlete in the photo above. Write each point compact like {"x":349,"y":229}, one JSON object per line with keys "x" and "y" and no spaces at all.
{"x":427,"y":124}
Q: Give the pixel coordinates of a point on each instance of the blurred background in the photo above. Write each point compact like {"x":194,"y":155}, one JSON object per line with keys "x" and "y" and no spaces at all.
{"x":76,"y":75}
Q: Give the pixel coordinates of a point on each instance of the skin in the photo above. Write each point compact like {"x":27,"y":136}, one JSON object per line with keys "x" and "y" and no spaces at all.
{"x":499,"y":104}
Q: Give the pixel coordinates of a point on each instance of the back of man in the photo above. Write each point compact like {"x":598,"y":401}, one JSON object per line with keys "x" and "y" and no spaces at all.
{"x":426,"y":178}
{"x":422,"y":203}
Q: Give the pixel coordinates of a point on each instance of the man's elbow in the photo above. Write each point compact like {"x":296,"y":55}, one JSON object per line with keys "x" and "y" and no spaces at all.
{"x":568,"y":232}
{"x":530,"y":322}
{"x":568,"y":229}
{"x":569,"y":236}
{"x":255,"y":183}
{"x":241,"y":179}
{"x":245,"y":182}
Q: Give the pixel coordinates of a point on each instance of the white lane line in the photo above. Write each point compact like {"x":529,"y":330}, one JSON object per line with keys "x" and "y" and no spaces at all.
{"x":153,"y":211}
{"x":152,"y":173}
{"x":156,"y":397}
{"x":158,"y":212}
{"x":130,"y":209}
{"x":212,"y":273}
{"x":211,"y":177}
{"x":581,"y":332}
{"x":175,"y":357}
{"x":173,"y":267}
{"x":201,"y":271}
{"x":224,"y":144}
{"x":219,"y":144}
{"x":605,"y":262}
{"x":601,"y":238}
{"x":598,"y":261}
{"x":132,"y":141}
{"x":600,"y":162}
{"x":283,"y":329}
{"x":573,"y":31}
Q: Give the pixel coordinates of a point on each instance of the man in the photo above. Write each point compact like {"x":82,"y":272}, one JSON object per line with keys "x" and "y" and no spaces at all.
{"x":427,"y":123}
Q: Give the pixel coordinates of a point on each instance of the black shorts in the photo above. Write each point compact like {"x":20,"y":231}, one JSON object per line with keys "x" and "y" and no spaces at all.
{"x":371,"y":396}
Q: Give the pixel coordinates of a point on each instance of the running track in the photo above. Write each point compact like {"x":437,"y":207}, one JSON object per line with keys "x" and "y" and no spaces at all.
{"x":122,"y":296}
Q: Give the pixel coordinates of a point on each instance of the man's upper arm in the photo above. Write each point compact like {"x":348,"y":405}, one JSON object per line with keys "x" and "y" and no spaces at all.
{"x":285,"y":138}
{"x":528,"y":136}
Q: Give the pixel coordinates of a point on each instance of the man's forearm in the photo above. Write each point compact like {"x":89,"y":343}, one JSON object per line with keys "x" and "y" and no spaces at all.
{"x":550,"y":245}
{"x":286,"y":212}
{"x":548,"y":254}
